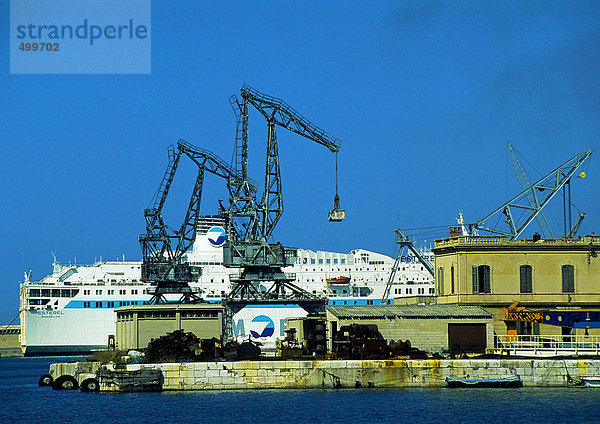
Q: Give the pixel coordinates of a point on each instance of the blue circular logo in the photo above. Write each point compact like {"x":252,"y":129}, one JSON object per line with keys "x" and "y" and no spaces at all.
{"x":216,"y":236}
{"x":262,"y":326}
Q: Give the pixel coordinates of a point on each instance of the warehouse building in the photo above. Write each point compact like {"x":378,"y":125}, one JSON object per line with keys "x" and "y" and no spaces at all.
{"x":431,"y":328}
{"x":138,"y":325}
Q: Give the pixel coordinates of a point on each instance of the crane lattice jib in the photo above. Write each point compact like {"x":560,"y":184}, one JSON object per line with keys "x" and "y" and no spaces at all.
{"x":212,"y":163}
{"x":163,"y":189}
{"x":532,"y":196}
{"x":551,"y":182}
{"x":403,"y":240}
{"x":287,"y":117}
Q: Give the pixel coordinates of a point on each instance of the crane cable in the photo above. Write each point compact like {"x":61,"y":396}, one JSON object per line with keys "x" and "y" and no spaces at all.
{"x":336,"y":199}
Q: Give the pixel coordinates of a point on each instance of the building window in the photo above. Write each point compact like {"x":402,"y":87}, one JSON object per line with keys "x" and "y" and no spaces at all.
{"x":568,"y":279}
{"x":525,"y":278}
{"x":441,"y":281}
{"x":481,"y":279}
{"x":452,"y":279}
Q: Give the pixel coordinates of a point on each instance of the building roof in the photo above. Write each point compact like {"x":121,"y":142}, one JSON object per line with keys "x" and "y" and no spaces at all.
{"x":407,"y":311}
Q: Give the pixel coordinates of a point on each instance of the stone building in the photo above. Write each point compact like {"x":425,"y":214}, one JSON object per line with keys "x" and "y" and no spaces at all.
{"x":543,"y":274}
{"x":137,"y":325}
{"x":432,"y":328}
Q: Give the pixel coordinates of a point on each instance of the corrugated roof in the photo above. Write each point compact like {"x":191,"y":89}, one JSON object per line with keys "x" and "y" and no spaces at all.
{"x":408,"y":311}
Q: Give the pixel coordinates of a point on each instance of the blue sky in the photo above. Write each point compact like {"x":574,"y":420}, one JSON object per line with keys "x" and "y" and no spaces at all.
{"x":424,"y":96}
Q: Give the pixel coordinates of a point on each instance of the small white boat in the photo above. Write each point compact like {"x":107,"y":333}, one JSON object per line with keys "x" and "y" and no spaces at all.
{"x":590,"y":381}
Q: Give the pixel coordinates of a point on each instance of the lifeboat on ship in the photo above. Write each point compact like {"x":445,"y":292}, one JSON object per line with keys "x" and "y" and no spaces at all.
{"x":339,"y":280}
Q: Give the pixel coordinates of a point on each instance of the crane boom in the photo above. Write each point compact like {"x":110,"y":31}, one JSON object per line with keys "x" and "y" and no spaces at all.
{"x":287,"y":117}
{"x":532,"y":196}
{"x":550,"y":184}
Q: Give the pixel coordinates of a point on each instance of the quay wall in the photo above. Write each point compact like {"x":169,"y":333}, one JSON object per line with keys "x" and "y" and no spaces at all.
{"x":10,"y":344}
{"x":300,"y":374}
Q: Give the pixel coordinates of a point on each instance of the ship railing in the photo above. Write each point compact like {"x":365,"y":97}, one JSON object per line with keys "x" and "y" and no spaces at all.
{"x":539,"y":345}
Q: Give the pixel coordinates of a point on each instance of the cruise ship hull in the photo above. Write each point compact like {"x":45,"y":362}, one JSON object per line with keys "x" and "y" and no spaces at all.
{"x":66,"y":331}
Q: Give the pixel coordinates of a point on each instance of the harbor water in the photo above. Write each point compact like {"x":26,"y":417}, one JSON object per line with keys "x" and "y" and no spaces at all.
{"x":22,"y":401}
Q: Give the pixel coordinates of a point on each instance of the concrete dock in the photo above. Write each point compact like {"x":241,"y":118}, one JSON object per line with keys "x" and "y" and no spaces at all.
{"x":317,"y":374}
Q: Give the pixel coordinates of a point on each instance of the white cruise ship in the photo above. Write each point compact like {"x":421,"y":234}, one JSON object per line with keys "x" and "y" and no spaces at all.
{"x":72,"y":310}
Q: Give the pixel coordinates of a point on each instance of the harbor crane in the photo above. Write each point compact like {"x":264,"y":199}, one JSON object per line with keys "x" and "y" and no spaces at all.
{"x":162,"y":252}
{"x":403,"y":241}
{"x":547,"y":187}
{"x":250,"y":222}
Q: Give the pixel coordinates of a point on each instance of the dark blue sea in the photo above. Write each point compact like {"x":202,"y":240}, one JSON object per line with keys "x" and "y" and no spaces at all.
{"x":23,"y":402}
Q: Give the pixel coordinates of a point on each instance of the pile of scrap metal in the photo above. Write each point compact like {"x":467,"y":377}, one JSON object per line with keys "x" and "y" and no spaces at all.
{"x":181,"y":346}
{"x":404,"y":349}
{"x":245,"y":350}
{"x":359,"y":341}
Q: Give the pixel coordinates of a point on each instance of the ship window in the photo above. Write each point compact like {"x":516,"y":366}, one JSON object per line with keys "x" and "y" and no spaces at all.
{"x":343,"y":261}
{"x":34,"y":292}
{"x":98,"y":304}
{"x":55,"y":292}
{"x":74,"y":292}
{"x":304,"y":261}
{"x":335,"y":261}
{"x":327,"y":261}
{"x":431,"y":290}
{"x":98,"y":292}
{"x":320,"y":261}
{"x":65,"y":293}
{"x":45,"y":292}
{"x":312,"y":261}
